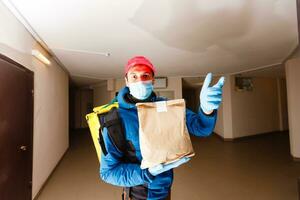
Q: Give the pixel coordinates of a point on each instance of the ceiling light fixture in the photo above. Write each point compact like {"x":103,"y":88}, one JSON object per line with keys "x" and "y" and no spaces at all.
{"x":40,"y":57}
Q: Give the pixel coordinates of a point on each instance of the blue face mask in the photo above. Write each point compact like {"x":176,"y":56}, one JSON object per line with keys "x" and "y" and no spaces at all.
{"x":141,"y":90}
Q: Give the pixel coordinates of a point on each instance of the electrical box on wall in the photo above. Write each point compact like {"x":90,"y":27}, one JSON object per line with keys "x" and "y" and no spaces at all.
{"x":160,"y":82}
{"x":243,"y":84}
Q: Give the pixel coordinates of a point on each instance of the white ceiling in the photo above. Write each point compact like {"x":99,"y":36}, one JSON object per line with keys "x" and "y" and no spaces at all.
{"x":185,"y":38}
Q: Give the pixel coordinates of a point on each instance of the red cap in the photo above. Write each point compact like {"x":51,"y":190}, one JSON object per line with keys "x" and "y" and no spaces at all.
{"x":139,"y":60}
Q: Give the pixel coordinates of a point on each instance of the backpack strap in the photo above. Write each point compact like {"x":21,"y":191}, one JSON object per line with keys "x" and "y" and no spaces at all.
{"x":111,"y":120}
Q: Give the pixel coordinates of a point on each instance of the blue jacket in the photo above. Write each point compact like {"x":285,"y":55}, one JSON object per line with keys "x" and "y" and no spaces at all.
{"x":116,"y":172}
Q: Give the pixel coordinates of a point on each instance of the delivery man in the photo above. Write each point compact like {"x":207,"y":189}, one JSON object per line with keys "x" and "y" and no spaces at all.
{"x":152,"y":183}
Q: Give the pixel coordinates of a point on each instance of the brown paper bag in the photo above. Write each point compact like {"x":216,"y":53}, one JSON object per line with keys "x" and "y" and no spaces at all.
{"x":162,"y":132}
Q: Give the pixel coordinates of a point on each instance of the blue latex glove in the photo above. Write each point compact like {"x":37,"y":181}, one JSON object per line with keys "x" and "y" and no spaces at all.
{"x":158,"y":169}
{"x":211,"y":97}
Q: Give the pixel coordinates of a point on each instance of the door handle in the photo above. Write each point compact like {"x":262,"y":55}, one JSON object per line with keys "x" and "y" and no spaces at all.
{"x":23,"y":148}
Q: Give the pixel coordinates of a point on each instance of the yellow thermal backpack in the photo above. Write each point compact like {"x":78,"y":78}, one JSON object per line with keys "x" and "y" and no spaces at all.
{"x":93,"y":120}
{"x":107,"y":116}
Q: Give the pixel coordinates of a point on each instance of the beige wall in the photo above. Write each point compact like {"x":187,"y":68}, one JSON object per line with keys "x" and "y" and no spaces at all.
{"x":282,"y":104}
{"x":118,"y":84}
{"x":101,"y":95}
{"x":224,"y":125}
{"x":83,"y":106}
{"x":77,"y":113}
{"x":86,"y":106}
{"x":249,"y":113}
{"x":292,"y":69}
{"x":219,"y":128}
{"x":256,"y":112}
{"x":50,"y":98}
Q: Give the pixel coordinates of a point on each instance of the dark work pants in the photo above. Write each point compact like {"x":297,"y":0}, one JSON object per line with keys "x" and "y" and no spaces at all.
{"x":138,"y":193}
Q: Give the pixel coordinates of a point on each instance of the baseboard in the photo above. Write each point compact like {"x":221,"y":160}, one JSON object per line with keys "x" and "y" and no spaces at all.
{"x":45,"y":183}
{"x":228,"y":139}
{"x":258,"y":135}
{"x":296,"y":159}
{"x":247,"y":136}
{"x":223,"y":139}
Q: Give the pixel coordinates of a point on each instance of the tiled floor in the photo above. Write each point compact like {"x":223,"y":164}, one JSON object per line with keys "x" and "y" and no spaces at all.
{"x":257,"y":168}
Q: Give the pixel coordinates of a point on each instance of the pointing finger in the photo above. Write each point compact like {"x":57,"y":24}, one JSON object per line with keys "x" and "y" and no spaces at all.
{"x":207,"y":80}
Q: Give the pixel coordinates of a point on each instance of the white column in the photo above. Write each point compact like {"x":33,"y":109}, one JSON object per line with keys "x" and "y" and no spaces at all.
{"x":293,"y":96}
{"x":227,"y":107}
{"x":279,"y":104}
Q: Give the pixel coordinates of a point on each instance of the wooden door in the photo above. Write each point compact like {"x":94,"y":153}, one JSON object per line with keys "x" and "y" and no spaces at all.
{"x":16,"y":130}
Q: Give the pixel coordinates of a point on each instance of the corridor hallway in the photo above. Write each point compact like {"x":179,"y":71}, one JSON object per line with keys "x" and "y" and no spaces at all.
{"x":68,"y":57}
{"x":254,"y":168}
